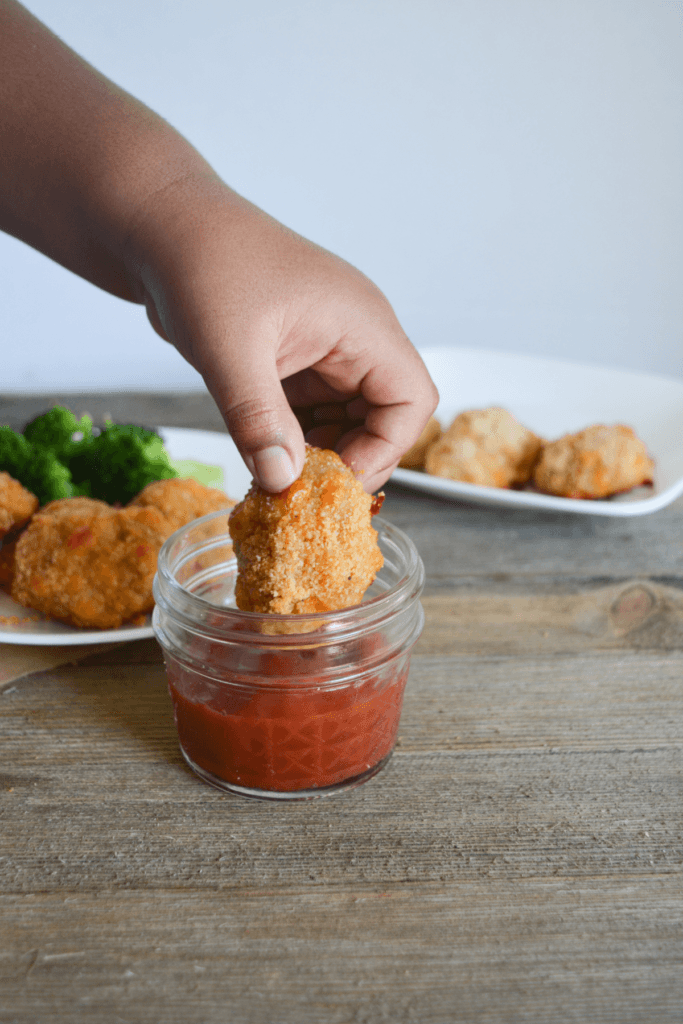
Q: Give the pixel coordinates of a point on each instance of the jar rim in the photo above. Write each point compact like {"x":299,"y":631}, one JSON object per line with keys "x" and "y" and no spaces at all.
{"x":228,"y":623}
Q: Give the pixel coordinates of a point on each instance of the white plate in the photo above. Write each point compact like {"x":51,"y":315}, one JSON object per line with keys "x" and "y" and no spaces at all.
{"x":554,"y":398}
{"x":201,"y":446}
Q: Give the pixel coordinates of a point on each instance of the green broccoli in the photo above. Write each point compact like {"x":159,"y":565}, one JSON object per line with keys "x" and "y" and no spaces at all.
{"x":119,"y":462}
{"x":15,"y":452}
{"x":59,"y":431}
{"x":38,"y":469}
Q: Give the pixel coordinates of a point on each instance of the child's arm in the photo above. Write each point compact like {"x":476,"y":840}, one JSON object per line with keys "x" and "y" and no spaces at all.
{"x":100,"y":183}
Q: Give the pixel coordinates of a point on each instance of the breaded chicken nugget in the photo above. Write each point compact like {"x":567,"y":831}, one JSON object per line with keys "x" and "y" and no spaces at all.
{"x":309,"y":549}
{"x":414,"y":458}
{"x":88,"y":564}
{"x":68,"y":506}
{"x":488,"y":447}
{"x":181,"y":501}
{"x":8,"y":546}
{"x":17,"y":505}
{"x":594,"y":463}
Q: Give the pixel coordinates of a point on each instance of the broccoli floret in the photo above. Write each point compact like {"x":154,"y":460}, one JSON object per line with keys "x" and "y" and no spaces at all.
{"x":15,"y":452}
{"x":113,"y":466}
{"x":59,"y":431}
{"x":118,"y":463}
{"x":49,"y":478}
{"x":38,"y":469}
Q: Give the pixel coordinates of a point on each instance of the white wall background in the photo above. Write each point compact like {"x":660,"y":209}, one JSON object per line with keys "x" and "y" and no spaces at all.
{"x":509,"y":172}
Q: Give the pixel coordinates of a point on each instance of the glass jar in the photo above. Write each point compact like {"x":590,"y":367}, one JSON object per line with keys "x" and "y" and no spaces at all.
{"x":283,"y":707}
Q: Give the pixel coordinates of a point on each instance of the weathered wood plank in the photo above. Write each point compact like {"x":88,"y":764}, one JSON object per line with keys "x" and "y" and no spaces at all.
{"x":557,"y":616}
{"x":577,"y":780}
{"x":633,"y":614}
{"x":565,"y":617}
{"x":548,"y":951}
{"x":195,"y":409}
{"x":450,"y":817}
{"x":595,"y":701}
{"x":457,"y":540}
{"x":457,"y":702}
{"x":447,"y":817}
{"x":586,"y":703}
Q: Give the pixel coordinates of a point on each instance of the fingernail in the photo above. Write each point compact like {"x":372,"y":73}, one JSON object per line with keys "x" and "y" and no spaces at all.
{"x":273,"y":468}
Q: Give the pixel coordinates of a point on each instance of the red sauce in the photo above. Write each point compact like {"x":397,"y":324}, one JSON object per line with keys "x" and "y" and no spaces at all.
{"x":284,"y":735}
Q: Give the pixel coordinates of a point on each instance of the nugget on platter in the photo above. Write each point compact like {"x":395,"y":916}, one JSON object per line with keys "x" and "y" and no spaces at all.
{"x":311,"y":548}
{"x":181,"y":501}
{"x":17,"y":505}
{"x":88,"y":564}
{"x":594,"y":463}
{"x":488,"y":447}
{"x":414,"y":458}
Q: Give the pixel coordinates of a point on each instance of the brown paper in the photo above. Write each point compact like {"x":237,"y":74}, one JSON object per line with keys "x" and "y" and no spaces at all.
{"x":17,"y":660}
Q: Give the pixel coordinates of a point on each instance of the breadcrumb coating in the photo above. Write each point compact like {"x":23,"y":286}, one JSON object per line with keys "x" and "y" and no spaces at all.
{"x":414,"y":458}
{"x":488,"y":447}
{"x":8,"y":546}
{"x":594,"y":463}
{"x":17,"y":505}
{"x":309,"y":549}
{"x":88,"y":564}
{"x":181,"y":500}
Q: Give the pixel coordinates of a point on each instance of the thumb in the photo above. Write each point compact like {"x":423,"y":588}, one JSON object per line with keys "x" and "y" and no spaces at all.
{"x":246,"y":387}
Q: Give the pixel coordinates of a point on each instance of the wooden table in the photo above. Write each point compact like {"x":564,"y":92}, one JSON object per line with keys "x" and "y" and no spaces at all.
{"x":519,"y":860}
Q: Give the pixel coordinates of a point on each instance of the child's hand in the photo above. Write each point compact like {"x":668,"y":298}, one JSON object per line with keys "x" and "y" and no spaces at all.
{"x":275,"y":324}
{"x":98,"y":182}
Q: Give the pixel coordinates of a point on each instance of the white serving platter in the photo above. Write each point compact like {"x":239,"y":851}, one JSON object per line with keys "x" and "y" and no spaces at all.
{"x":552,"y":398}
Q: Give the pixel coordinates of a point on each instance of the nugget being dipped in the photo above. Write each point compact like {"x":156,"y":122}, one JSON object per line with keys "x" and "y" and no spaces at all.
{"x":311,"y":548}
{"x":88,"y":564}
{"x":594,"y":463}
{"x":488,"y":447}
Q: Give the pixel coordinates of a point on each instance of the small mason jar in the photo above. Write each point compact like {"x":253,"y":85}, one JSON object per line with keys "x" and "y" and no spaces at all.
{"x":283,"y":707}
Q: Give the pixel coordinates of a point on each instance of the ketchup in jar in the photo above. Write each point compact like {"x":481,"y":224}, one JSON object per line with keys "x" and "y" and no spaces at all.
{"x":283,"y":706}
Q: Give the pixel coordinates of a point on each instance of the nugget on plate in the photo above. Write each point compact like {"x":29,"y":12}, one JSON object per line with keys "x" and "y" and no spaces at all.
{"x":181,"y":501}
{"x":594,"y":463}
{"x":88,"y":564}
{"x":17,"y":505}
{"x":414,"y":458}
{"x":488,"y":447}
{"x":311,"y":548}
{"x":8,"y":546}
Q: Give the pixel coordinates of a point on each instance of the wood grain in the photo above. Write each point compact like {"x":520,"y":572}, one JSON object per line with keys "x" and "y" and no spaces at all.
{"x":550,"y":951}
{"x":509,"y":771}
{"x":519,"y":860}
{"x":194,"y":409}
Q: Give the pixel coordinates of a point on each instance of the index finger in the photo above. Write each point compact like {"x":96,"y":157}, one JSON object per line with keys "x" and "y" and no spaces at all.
{"x":399,"y":396}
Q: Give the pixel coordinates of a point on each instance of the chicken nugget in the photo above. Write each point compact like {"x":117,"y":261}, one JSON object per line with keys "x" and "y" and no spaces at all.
{"x":181,"y":501}
{"x":88,"y":564}
{"x":17,"y":505}
{"x":8,"y":546}
{"x":488,"y":447}
{"x":594,"y":463}
{"x":65,"y":507}
{"x":414,"y":458}
{"x":309,"y":549}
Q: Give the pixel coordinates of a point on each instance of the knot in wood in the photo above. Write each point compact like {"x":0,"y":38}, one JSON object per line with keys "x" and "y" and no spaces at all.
{"x":631,"y":608}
